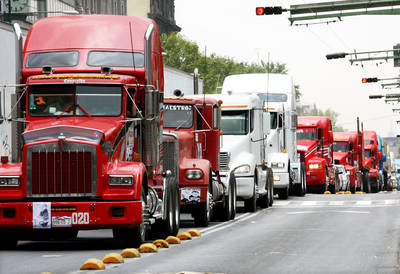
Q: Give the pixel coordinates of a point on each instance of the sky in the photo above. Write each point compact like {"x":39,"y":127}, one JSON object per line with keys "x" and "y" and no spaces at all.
{"x":231,"y":29}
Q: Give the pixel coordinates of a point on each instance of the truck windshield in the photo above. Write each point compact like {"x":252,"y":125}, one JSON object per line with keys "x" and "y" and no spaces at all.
{"x":273,"y":97}
{"x":235,"y":122}
{"x":178,"y":116}
{"x":115,"y":59}
{"x":369,"y":142}
{"x":306,"y":134}
{"x":368,"y":153}
{"x":75,"y":100}
{"x":54,"y":59}
{"x":340,"y":147}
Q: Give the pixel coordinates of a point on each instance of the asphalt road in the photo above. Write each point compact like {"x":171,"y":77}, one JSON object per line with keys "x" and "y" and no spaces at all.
{"x":314,"y":234}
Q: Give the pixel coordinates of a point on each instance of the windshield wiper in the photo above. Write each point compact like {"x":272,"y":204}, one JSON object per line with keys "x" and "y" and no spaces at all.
{"x":83,"y":110}
{"x":181,"y":124}
{"x":64,"y":111}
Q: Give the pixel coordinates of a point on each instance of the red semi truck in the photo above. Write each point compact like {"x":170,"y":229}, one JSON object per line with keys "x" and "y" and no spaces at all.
{"x":196,"y":123}
{"x":314,"y":141}
{"x":347,"y":151}
{"x":371,"y":161}
{"x":92,"y":155}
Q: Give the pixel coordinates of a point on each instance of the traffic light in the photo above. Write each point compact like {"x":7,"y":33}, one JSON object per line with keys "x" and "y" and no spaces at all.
{"x":269,"y":10}
{"x":336,"y":55}
{"x":369,"y":80}
{"x":376,"y":96}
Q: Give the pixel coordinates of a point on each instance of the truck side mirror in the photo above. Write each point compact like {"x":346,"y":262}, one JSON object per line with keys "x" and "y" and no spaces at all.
{"x":267,"y":122}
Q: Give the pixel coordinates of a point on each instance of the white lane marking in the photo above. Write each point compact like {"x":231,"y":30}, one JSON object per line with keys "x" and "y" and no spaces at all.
{"x":363,"y":202}
{"x":336,"y":203}
{"x":233,"y":222}
{"x":52,"y":256}
{"x":204,"y":230}
{"x":309,"y":203}
{"x":326,"y":211}
{"x":281,"y":203}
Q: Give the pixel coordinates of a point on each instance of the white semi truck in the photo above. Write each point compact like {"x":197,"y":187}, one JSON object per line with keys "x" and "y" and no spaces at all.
{"x":277,"y":93}
{"x":245,"y":125}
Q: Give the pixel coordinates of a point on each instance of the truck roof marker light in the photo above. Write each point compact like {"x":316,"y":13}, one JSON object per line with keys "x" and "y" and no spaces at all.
{"x":75,"y":77}
{"x":220,"y":102}
{"x":220,"y":133}
{"x":234,"y":106}
{"x":4,"y":160}
{"x":284,"y":150}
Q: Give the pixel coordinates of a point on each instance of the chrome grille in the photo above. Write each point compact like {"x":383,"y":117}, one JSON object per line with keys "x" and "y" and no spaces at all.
{"x":67,"y":172}
{"x":224,"y":160}
{"x":170,"y":155}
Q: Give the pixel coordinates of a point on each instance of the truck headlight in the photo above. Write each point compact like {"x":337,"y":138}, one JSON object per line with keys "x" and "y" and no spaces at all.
{"x":9,"y":181}
{"x":242,"y":169}
{"x":120,"y":180}
{"x":314,"y":166}
{"x":277,"y":178}
{"x":194,"y":174}
{"x":278,"y":165}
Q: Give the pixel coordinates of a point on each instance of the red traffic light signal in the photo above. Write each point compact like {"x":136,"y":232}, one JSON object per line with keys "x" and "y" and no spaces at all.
{"x":269,"y":10}
{"x":260,"y":11}
{"x":369,"y":80}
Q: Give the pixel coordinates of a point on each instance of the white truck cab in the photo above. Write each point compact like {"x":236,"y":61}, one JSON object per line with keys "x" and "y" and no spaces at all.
{"x":277,"y":94}
{"x":244,"y":126}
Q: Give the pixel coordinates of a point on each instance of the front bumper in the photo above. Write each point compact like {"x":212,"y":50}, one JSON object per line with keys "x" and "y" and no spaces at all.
{"x":83,"y":215}
{"x":316,"y":177}
{"x":281,"y":179}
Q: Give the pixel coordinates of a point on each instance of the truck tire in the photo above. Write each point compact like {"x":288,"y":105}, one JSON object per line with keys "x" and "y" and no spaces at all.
{"x":283,"y":193}
{"x":202,"y":215}
{"x":332,"y":189}
{"x":301,"y":189}
{"x":366,"y":184}
{"x":271,"y":191}
{"x":134,"y":236}
{"x":234,"y":198}
{"x":8,"y":240}
{"x":264,"y":199}
{"x":226,"y":207}
{"x":169,"y":226}
{"x":250,"y":205}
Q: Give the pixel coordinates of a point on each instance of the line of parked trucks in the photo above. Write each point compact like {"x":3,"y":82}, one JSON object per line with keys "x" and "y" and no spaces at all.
{"x":100,"y":147}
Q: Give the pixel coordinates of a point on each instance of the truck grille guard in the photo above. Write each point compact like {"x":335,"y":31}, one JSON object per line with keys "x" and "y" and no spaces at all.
{"x":69,"y":170}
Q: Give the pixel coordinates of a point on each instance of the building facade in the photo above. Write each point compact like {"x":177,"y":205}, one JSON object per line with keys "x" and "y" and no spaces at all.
{"x":161,"y":11}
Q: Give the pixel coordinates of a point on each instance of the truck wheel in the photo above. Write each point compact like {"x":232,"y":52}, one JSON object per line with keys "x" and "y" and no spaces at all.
{"x":366,"y":184}
{"x":203,"y":214}
{"x":332,"y":189}
{"x":271,"y":192}
{"x":226,"y":207}
{"x":250,"y":205}
{"x":9,"y":240}
{"x":264,"y":199}
{"x":234,"y":195}
{"x":283,"y":193}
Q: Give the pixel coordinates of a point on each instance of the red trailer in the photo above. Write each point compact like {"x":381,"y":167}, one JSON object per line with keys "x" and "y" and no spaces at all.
{"x":93,"y":155}
{"x":314,"y":140}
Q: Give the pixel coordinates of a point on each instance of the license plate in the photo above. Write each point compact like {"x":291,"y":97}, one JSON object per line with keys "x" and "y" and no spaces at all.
{"x":190,"y":195}
{"x":61,"y":221}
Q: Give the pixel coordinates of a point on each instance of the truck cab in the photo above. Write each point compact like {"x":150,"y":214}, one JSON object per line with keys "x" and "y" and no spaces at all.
{"x":245,"y":125}
{"x":278,"y":94}
{"x":90,"y":115}
{"x":196,"y":122}
{"x":371,"y":161}
{"x":314,"y":140}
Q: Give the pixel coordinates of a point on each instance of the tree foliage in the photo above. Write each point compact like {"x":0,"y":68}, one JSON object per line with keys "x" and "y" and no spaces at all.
{"x":186,"y":56}
{"x":333,"y":115}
